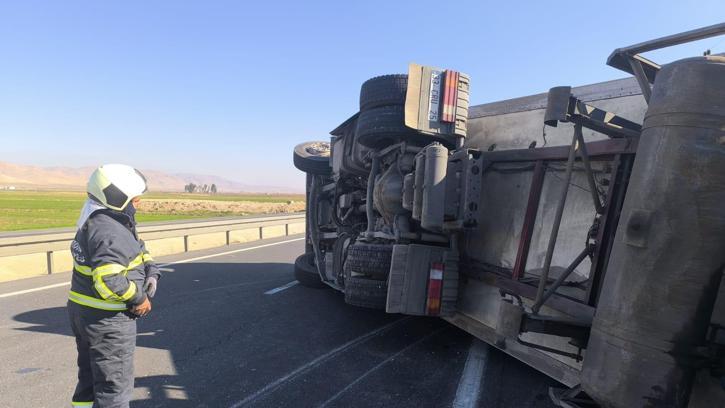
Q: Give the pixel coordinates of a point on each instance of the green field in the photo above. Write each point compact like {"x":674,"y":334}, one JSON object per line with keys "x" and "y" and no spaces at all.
{"x":257,"y":198}
{"x":24,"y":210}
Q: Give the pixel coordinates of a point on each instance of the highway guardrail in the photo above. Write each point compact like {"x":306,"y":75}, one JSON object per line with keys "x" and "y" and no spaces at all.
{"x":27,"y":254}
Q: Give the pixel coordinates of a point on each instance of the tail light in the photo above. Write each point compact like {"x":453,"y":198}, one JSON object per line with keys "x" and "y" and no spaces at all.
{"x":435,"y":287}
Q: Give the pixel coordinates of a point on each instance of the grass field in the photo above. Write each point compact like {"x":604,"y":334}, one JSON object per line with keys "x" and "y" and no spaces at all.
{"x":24,"y":210}
{"x":256,"y":198}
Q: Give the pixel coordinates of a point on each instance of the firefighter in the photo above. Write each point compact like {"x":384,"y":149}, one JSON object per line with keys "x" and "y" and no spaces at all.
{"x":113,"y":279}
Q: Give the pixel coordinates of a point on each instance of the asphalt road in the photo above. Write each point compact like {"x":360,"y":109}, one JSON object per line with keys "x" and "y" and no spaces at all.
{"x":233,"y":331}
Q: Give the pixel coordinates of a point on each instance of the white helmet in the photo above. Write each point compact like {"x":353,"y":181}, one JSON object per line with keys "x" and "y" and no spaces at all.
{"x":115,"y":185}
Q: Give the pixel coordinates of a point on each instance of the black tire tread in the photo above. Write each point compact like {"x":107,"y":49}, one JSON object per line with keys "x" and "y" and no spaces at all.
{"x":369,"y":259}
{"x":383,"y":126}
{"x":383,"y":91}
{"x":368,"y":293}
{"x":310,"y":164}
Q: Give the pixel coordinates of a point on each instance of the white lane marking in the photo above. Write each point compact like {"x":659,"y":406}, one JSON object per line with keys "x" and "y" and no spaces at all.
{"x":166,"y":269}
{"x":372,"y":370}
{"x":198,"y":258}
{"x":236,"y":285}
{"x":22,"y":292}
{"x":469,"y":386}
{"x":314,"y":363}
{"x":281,"y":288}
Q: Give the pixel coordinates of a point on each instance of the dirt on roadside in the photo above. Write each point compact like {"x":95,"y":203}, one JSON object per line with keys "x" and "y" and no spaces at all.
{"x":175,"y":206}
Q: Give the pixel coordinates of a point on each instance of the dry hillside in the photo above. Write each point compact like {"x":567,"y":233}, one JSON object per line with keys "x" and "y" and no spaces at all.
{"x":74,"y":178}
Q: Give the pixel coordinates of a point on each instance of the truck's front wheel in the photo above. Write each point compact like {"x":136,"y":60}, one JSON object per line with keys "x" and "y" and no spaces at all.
{"x":313,"y":158}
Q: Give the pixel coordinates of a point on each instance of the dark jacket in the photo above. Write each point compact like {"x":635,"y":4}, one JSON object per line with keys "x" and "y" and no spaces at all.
{"x":110,"y":263}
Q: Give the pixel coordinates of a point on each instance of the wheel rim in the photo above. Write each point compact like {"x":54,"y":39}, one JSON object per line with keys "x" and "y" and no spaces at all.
{"x":318,"y":149}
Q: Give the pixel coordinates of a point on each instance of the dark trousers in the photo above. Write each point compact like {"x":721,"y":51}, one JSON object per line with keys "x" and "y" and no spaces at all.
{"x":105,"y":342}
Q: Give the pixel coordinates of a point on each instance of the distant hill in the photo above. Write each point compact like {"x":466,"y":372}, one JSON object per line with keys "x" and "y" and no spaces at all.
{"x":74,"y":178}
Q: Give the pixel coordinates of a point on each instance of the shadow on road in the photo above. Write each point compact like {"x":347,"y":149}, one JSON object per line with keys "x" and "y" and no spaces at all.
{"x":216,"y":337}
{"x":199,"y":310}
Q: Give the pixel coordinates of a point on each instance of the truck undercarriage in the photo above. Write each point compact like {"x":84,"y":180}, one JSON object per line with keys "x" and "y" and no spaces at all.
{"x":595,"y":258}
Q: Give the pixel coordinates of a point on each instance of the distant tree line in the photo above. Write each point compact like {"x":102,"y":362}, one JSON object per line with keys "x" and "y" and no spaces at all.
{"x":200,"y":188}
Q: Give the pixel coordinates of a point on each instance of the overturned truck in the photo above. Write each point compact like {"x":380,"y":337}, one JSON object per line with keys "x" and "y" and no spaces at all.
{"x":581,"y":231}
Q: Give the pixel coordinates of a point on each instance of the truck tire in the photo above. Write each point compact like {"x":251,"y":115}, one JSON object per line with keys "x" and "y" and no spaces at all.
{"x":383,"y":91}
{"x":368,"y":293}
{"x":370,"y":260}
{"x":383,"y":126}
{"x":306,"y":272}
{"x":313,"y":158}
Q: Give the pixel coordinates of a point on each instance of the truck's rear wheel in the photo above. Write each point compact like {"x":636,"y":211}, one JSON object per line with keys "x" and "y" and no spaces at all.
{"x":367,"y":293}
{"x":306,"y":271}
{"x":313,"y":157}
{"x":380,"y":127}
{"x":383,"y":91}
{"x":383,"y":126}
{"x":371,"y":260}
{"x":366,"y":272}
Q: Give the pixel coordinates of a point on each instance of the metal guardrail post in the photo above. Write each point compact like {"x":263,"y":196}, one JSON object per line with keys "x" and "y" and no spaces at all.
{"x":49,"y":260}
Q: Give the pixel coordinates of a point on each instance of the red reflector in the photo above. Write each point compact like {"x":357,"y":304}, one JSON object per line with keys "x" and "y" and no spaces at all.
{"x":435,"y":286}
{"x":450,"y":96}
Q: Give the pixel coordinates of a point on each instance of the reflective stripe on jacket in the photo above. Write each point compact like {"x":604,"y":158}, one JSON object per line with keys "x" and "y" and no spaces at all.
{"x":110,"y":263}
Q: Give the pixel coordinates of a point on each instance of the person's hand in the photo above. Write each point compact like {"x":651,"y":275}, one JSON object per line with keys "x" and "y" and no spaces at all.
{"x":149,"y":286}
{"x":143,"y":309}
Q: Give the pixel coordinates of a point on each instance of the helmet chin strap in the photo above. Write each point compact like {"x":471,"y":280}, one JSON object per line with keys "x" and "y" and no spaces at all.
{"x":130,"y":210}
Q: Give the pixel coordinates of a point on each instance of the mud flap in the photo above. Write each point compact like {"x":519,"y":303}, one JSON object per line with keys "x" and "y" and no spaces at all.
{"x":423,"y":281}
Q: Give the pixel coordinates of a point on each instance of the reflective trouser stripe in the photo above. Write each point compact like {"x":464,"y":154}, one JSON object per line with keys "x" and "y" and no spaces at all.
{"x":95,"y":302}
{"x":81,"y":404}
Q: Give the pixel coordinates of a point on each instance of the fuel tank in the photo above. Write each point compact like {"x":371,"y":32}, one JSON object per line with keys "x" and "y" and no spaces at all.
{"x":669,"y":251}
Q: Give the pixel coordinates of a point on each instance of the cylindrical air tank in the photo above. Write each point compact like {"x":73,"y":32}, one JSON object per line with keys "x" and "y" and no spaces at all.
{"x":669,"y":251}
{"x":434,"y":187}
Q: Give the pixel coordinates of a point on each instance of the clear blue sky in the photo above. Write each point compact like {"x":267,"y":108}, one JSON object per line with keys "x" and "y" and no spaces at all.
{"x":229,"y":87}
